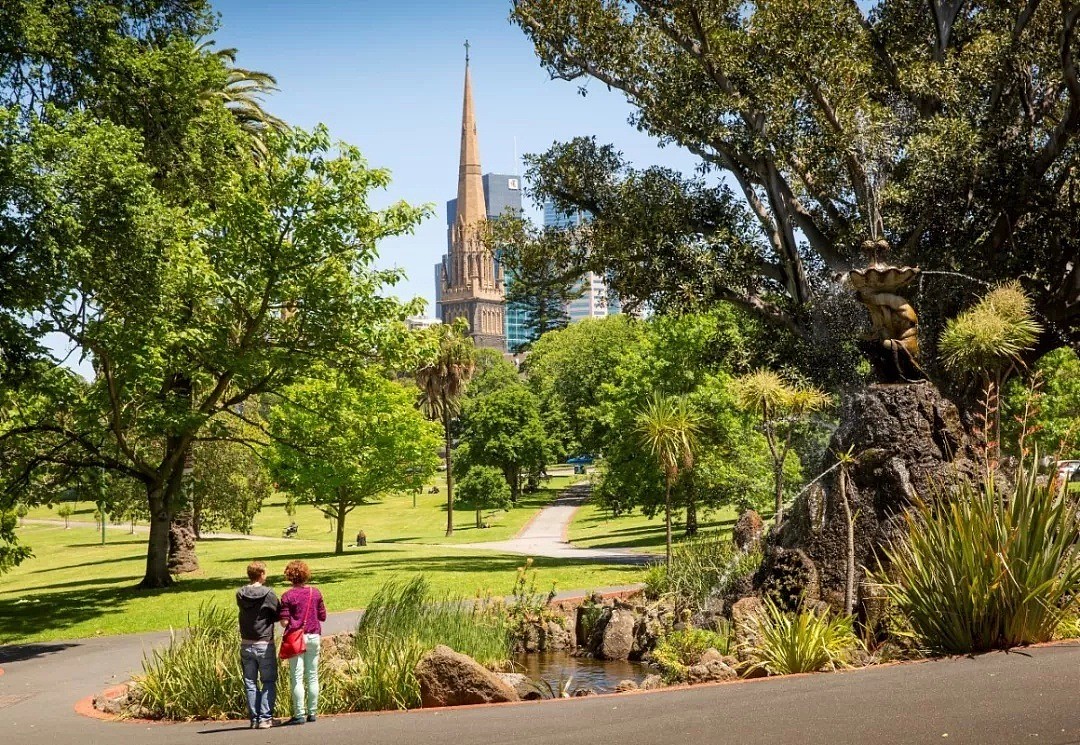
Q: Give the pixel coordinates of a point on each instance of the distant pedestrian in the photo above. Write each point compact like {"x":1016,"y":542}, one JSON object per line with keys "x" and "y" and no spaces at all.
{"x":302,"y":614}
{"x":259,"y":609}
{"x":361,"y":539}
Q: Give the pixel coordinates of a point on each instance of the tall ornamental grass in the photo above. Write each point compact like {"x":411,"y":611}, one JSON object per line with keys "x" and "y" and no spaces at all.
{"x":198,"y":674}
{"x":406,"y":620}
{"x":699,"y":567}
{"x":801,"y":642}
{"x":987,"y":570}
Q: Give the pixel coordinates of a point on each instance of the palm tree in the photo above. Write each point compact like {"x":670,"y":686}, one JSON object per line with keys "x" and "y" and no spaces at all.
{"x":242,"y":94}
{"x":987,"y":342}
{"x":442,"y":383}
{"x":668,"y":428}
{"x":781,"y":405}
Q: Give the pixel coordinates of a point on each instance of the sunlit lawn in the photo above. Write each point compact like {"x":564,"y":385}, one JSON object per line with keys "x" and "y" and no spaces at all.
{"x":390,"y":520}
{"x":594,"y":527}
{"x":76,"y":588}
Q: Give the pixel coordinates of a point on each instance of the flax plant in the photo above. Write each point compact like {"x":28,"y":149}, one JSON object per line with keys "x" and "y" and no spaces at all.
{"x":801,"y":642}
{"x":987,"y":570}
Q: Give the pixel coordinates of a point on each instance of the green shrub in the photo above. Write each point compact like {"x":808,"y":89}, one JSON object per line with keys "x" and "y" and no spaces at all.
{"x":678,"y":650}
{"x":987,"y":571}
{"x":801,"y":642}
{"x":401,"y":624}
{"x":699,"y":567}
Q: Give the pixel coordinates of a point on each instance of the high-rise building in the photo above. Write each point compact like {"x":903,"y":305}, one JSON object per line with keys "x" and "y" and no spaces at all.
{"x":594,"y":301}
{"x":471,"y":281}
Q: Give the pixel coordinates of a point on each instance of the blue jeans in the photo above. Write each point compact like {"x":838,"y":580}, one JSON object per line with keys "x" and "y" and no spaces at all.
{"x":304,"y":671}
{"x":259,"y":662}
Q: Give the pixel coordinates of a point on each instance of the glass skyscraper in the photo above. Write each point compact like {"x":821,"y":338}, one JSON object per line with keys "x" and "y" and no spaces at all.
{"x":594,"y":301}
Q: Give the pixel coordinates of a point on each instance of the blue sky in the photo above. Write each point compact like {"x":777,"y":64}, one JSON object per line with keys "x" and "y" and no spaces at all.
{"x":387,"y":77}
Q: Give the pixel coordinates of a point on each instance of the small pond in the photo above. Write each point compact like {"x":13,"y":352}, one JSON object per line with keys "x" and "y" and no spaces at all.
{"x":558,"y":667}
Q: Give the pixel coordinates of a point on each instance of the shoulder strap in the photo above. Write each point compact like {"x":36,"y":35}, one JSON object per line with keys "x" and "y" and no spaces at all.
{"x":307,"y":611}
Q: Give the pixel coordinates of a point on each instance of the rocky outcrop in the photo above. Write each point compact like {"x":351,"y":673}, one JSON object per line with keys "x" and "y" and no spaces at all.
{"x":618,"y":638}
{"x":744,"y":625}
{"x":748,"y":531}
{"x":909,"y":443}
{"x":448,"y":678}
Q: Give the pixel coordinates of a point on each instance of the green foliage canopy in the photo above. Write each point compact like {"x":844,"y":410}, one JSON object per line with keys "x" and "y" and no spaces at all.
{"x":341,"y":441}
{"x":948,"y":129}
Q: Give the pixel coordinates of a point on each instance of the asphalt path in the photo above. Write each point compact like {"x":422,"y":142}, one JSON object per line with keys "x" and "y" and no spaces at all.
{"x":546,"y":535}
{"x":1019,"y":697}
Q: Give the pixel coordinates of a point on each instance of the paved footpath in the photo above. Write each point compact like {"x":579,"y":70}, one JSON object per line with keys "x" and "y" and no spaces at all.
{"x":1021,"y":697}
{"x":545,"y":535}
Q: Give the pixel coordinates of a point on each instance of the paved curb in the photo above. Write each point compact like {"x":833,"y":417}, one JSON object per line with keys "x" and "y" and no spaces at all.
{"x":85,"y":706}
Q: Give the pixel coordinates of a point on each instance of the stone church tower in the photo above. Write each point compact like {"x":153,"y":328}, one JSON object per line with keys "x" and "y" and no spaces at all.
{"x":472,"y":283}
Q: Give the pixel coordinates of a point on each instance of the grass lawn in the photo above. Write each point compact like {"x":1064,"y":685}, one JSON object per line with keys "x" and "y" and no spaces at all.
{"x":391,"y":520}
{"x":76,"y":588}
{"x":594,"y":527}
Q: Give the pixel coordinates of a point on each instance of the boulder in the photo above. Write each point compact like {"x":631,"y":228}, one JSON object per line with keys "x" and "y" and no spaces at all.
{"x":909,"y":443}
{"x":652,"y":683}
{"x":526,"y":687}
{"x":448,"y":678}
{"x":618,"y":639}
{"x":112,"y":701}
{"x":625,"y":686}
{"x":713,"y":671}
{"x":748,"y":531}
{"x":744,"y":625}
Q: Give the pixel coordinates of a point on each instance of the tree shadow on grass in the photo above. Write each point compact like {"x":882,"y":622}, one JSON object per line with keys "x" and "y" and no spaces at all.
{"x":63,"y":608}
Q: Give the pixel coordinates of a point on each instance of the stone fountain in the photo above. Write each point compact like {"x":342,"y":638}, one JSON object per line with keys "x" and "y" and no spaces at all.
{"x":908,"y":443}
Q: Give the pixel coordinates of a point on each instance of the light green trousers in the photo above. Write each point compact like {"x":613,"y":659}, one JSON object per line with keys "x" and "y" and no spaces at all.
{"x":304,"y":673}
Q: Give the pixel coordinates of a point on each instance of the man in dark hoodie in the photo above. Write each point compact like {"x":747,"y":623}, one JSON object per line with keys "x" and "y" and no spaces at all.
{"x":259,"y":610}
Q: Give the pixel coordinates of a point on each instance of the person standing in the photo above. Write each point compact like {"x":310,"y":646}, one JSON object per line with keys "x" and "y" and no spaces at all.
{"x":302,"y":608}
{"x":259,"y":608}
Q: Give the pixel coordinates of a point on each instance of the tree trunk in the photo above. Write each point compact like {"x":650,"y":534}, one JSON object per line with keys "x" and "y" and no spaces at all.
{"x":849,"y":586}
{"x":778,"y":477}
{"x":449,"y":475}
{"x":196,"y":518}
{"x":182,"y":557}
{"x":691,"y":517}
{"x":667,"y":521}
{"x":339,"y":539}
{"x":513,"y":478}
{"x":157,"y":547}
{"x":479,"y":519}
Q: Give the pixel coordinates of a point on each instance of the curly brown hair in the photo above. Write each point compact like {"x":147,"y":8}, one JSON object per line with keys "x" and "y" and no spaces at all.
{"x":297,"y":572}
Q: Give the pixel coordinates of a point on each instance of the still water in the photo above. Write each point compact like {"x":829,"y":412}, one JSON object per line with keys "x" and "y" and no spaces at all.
{"x":558,"y":667}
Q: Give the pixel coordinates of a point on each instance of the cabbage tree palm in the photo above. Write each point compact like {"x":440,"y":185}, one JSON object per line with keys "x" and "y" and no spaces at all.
{"x":781,"y":405}
{"x":668,"y":427}
{"x":442,"y":382}
{"x":987,"y":342}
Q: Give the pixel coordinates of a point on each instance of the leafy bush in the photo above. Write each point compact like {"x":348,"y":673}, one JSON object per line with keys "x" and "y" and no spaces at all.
{"x":801,"y":642}
{"x":678,"y":650}
{"x":987,"y":571}
{"x":701,"y":566}
{"x":401,"y":624}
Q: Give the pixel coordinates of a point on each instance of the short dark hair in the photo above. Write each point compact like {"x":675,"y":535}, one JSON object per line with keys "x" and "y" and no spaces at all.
{"x":297,"y":572}
{"x":256,"y":570}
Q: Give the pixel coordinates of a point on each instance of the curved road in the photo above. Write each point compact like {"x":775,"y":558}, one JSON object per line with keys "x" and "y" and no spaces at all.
{"x":1027,"y":696}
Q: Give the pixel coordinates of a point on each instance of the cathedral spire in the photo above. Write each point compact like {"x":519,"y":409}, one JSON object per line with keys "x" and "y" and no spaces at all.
{"x":470,"y":204}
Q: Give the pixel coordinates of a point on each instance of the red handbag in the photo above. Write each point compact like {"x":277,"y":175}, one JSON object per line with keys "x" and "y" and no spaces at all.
{"x":292,"y":642}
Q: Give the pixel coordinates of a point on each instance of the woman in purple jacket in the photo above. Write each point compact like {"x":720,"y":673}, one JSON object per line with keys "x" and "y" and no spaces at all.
{"x":302,"y":607}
